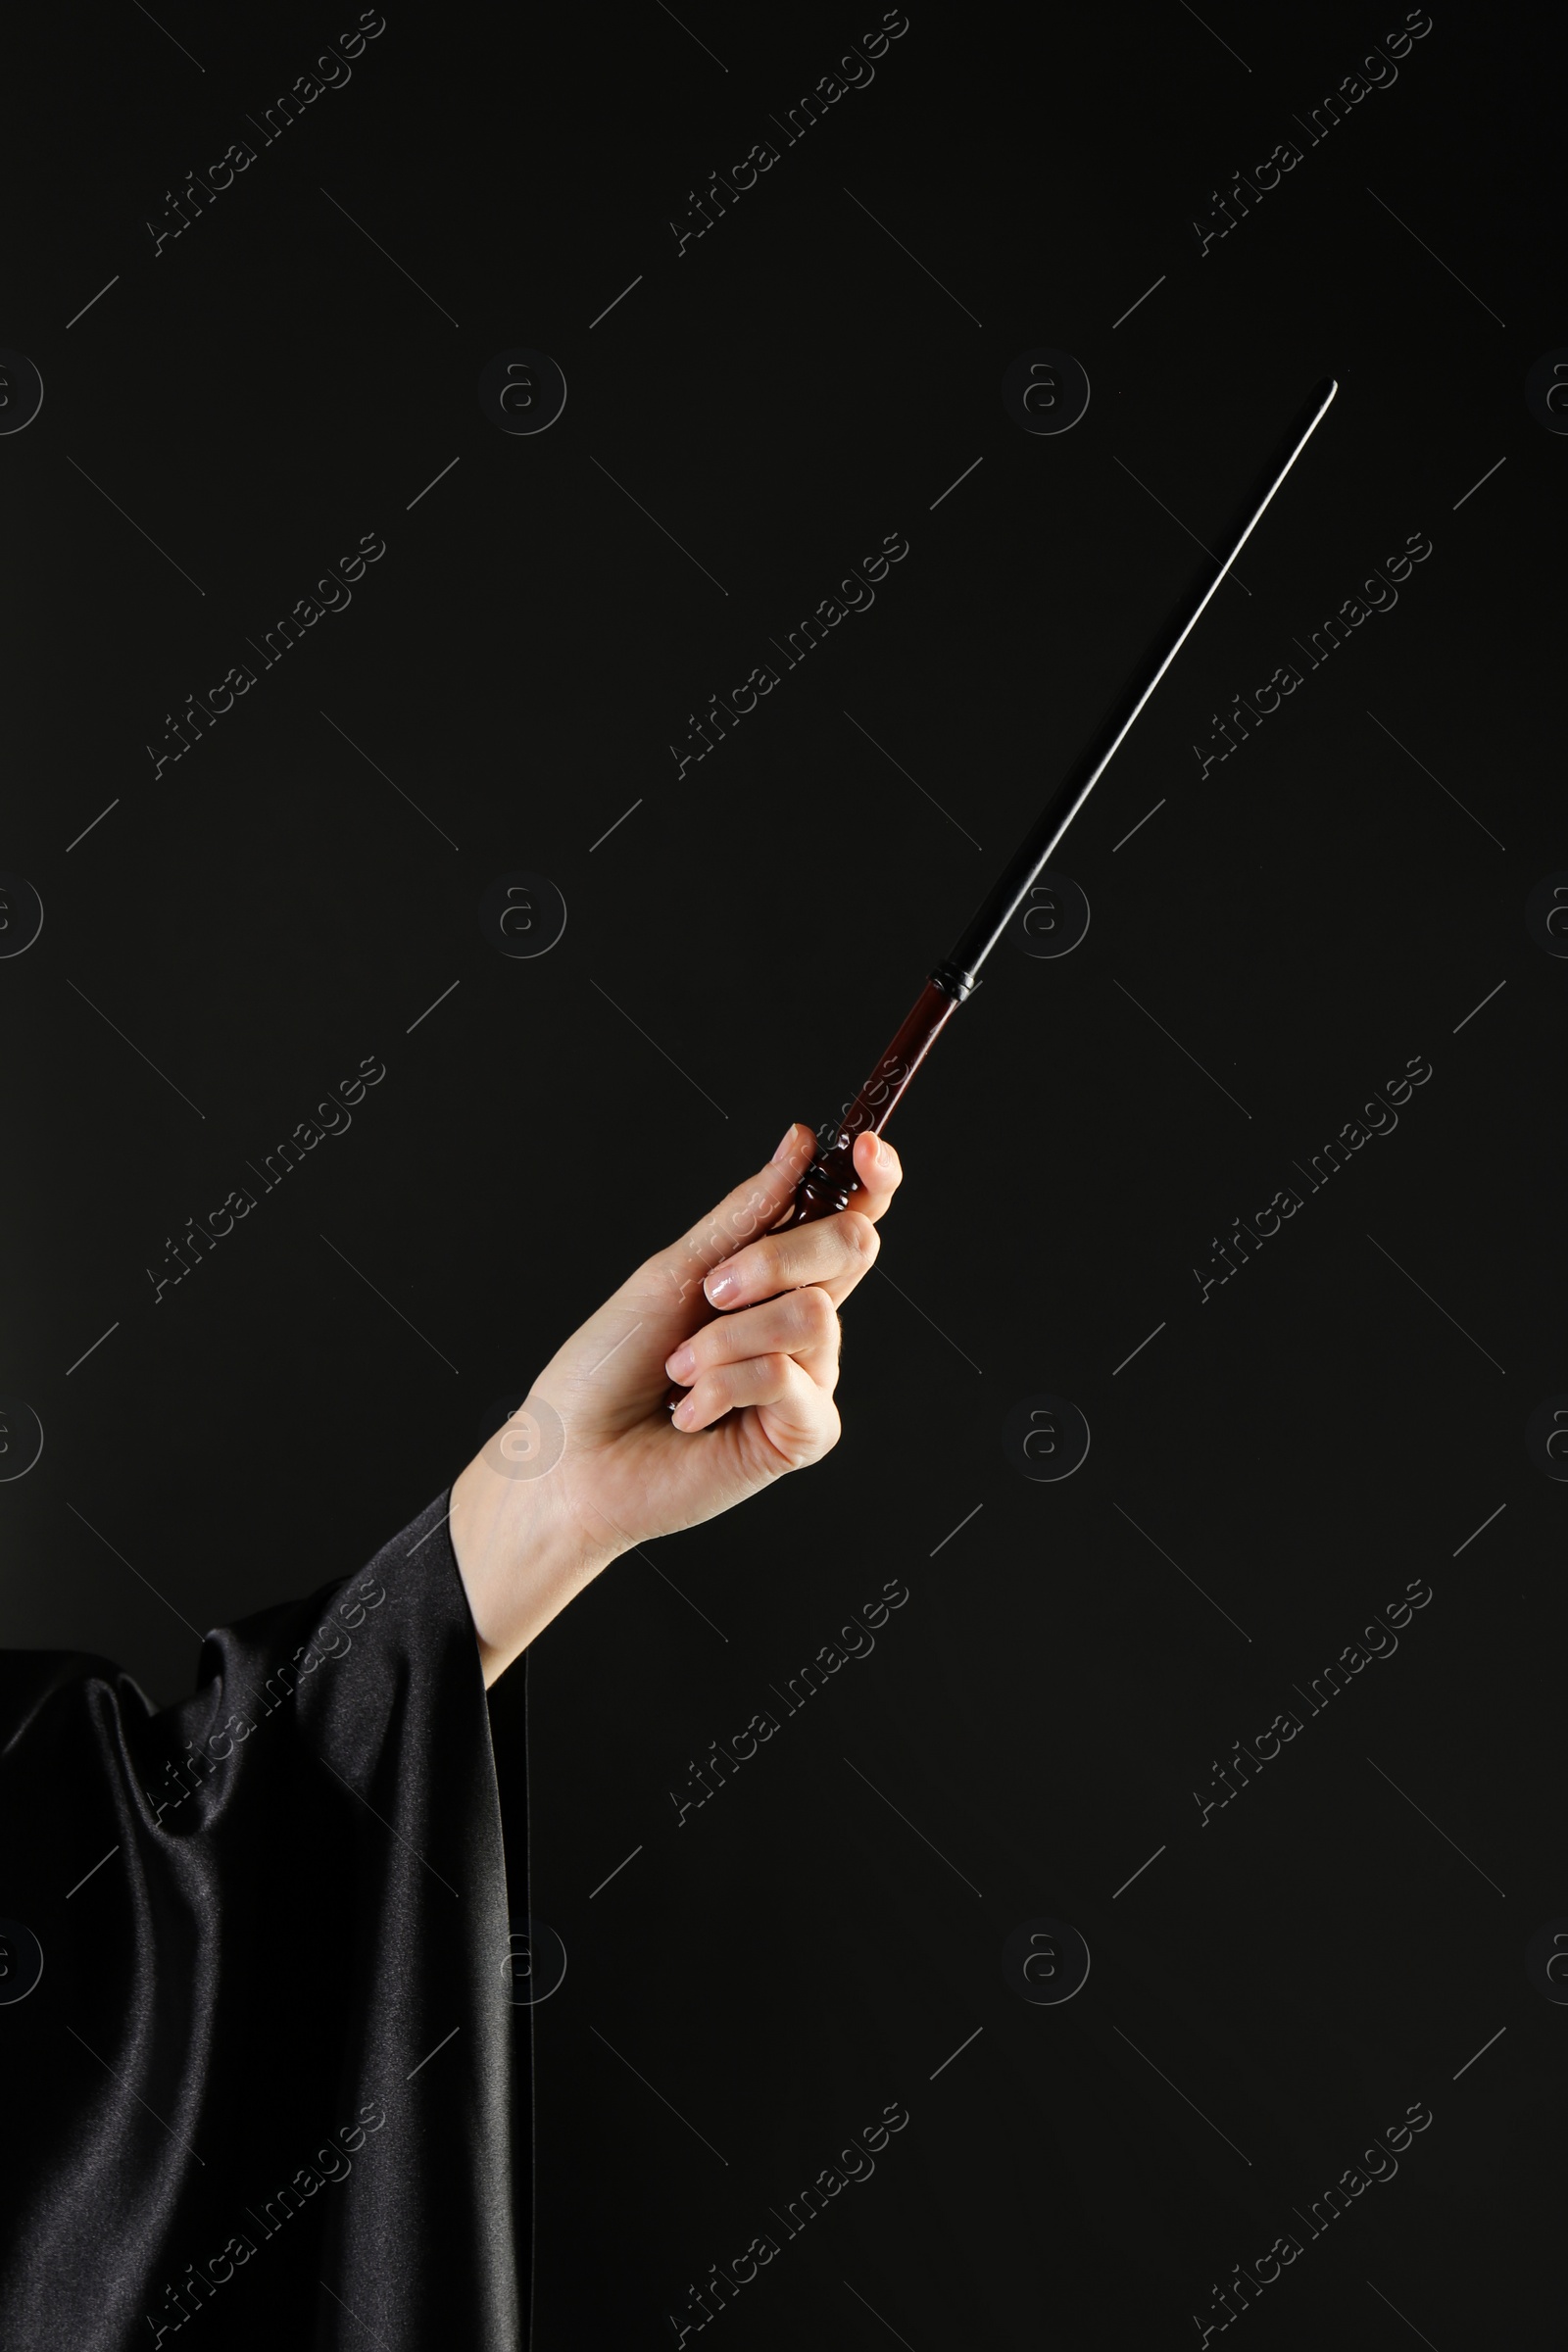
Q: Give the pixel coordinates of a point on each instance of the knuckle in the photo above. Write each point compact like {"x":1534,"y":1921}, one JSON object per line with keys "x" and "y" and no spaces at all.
{"x":791,"y":1255}
{"x":859,"y":1235}
{"x":818,"y":1316}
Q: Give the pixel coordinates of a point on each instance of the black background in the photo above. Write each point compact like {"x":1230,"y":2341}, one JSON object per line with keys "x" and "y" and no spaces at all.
{"x":1276,"y":941}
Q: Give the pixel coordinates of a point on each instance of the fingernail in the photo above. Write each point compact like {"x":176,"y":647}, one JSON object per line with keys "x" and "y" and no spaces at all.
{"x":784,"y":1148}
{"x":683,"y":1412}
{"x":682,"y":1364}
{"x":721,"y":1287}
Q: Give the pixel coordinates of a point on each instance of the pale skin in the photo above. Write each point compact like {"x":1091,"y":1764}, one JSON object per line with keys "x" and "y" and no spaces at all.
{"x":746,"y":1322}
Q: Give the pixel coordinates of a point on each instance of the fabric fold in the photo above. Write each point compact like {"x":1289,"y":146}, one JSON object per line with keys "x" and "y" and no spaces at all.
{"x":261,"y":2090}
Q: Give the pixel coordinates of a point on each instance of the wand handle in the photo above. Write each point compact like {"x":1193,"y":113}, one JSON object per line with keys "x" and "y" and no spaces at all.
{"x":830,"y":1181}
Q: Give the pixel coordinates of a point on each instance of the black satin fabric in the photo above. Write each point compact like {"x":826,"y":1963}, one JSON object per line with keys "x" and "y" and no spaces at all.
{"x":262,"y":2092}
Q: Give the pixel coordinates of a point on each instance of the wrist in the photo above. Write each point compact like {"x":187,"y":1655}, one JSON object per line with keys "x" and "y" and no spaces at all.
{"x":522,"y":1556}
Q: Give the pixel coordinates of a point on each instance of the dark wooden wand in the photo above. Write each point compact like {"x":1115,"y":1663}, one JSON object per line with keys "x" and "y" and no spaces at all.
{"x":830,"y":1182}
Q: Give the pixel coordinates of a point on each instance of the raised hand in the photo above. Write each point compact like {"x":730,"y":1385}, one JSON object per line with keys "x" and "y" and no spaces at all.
{"x":746,"y":1321}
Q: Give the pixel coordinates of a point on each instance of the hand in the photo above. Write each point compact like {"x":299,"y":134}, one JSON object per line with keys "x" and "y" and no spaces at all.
{"x":594,"y":1462}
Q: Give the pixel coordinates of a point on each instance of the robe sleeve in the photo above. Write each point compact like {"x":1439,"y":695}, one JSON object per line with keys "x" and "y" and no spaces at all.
{"x":255,"y":1986}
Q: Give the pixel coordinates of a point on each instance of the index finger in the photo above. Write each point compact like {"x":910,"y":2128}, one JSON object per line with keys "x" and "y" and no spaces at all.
{"x":750,"y":1209}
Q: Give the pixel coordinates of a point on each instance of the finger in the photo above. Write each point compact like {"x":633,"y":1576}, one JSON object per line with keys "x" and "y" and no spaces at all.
{"x":797,"y":1419}
{"x":751,"y":1209}
{"x":804,"y":1324}
{"x":881,"y":1172}
{"x":834,"y":1252}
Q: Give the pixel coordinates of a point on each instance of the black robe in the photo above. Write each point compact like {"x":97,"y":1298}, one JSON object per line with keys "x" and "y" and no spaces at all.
{"x":261,"y":2092}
